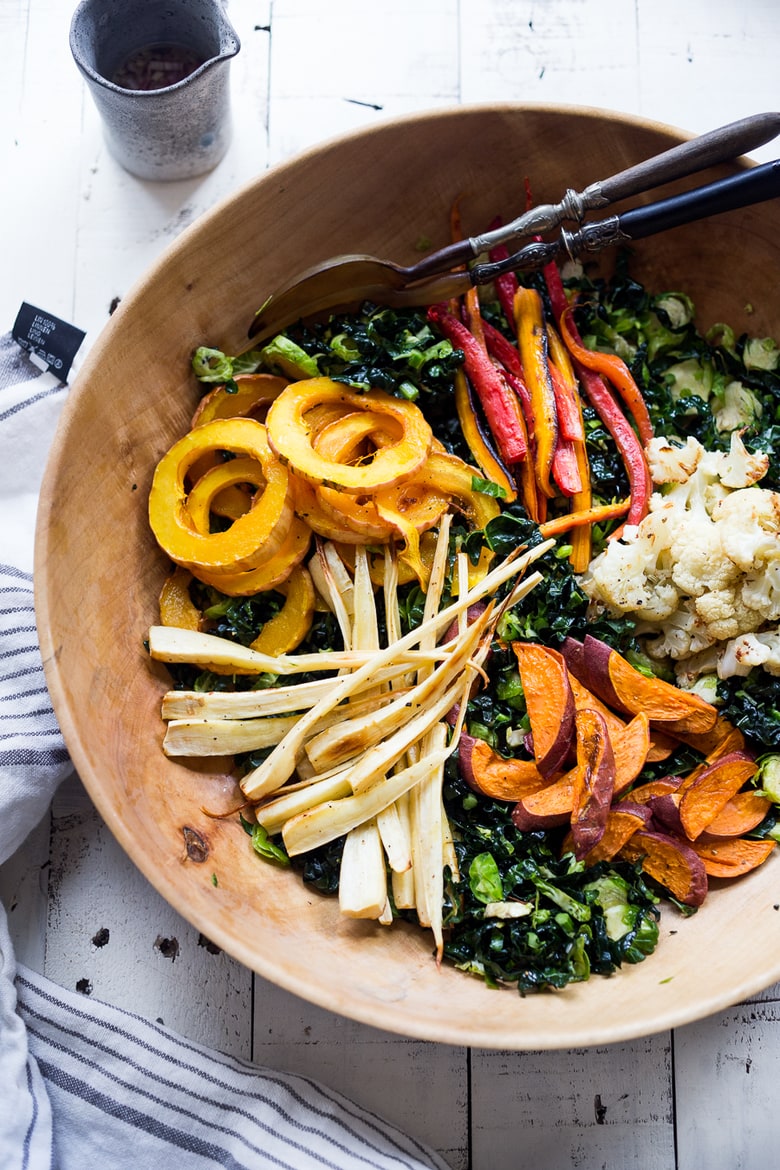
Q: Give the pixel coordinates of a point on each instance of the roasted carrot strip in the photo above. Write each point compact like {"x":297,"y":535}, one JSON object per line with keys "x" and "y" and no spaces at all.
{"x":587,"y":516}
{"x":615,"y":370}
{"x":532,"y":345}
{"x":505,"y":353}
{"x":470,"y":300}
{"x":500,"y":405}
{"x":484,"y":456}
{"x":608,"y":410}
{"x":505,"y":285}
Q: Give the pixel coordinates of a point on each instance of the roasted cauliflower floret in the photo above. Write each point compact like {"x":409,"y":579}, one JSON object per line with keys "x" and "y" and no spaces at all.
{"x":749,"y":522}
{"x":670,"y":463}
{"x":725,"y":614}
{"x":703,"y":567}
{"x":748,"y":650}
{"x":700,"y":563}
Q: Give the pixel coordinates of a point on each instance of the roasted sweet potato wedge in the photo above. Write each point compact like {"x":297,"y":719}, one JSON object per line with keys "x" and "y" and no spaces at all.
{"x":623,"y":687}
{"x":492,"y":775}
{"x":549,"y":702}
{"x":673,"y":863}
{"x":623,"y":821}
{"x":740,"y":815}
{"x":644,"y":793}
{"x":722,"y":738}
{"x":727,"y":859}
{"x":630,"y":747}
{"x":711,"y":790}
{"x":547,"y":808}
{"x":586,"y":700}
{"x":665,"y":808}
{"x":553,"y":805}
{"x":593,"y":782}
{"x":661,"y":746}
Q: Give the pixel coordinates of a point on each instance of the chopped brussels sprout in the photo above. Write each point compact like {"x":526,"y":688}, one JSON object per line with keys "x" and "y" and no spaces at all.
{"x":736,"y":407}
{"x":288,"y":358}
{"x":678,"y":307}
{"x":723,"y":336}
{"x":761,"y":353}
{"x":485,"y":879}
{"x":706,"y":686}
{"x":690,"y":377}
{"x":212,"y":365}
{"x":767,"y":777}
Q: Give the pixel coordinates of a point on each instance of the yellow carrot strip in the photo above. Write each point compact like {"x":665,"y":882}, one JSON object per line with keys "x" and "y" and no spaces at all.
{"x":532,"y":344}
{"x":487,"y":461}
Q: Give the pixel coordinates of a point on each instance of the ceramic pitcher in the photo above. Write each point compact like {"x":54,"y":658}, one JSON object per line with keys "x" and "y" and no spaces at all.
{"x":158,"y":71}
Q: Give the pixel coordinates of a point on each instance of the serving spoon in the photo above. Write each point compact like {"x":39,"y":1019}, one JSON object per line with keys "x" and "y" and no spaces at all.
{"x":347,"y":279}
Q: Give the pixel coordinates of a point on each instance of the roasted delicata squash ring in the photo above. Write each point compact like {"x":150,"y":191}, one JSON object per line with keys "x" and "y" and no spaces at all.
{"x":253,"y":538}
{"x":287,"y":629}
{"x":272,"y":573}
{"x":290,"y":436}
{"x":250,"y":395}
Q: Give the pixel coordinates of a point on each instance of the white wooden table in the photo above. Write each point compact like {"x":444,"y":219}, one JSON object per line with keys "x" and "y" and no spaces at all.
{"x":76,"y":232}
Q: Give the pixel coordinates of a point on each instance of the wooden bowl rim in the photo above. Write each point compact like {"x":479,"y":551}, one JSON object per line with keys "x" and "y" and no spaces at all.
{"x":384,"y":1016}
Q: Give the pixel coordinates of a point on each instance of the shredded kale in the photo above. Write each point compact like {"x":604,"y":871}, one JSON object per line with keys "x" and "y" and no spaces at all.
{"x":566,"y":937}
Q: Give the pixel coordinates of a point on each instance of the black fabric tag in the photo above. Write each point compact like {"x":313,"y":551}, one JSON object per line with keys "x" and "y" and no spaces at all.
{"x":53,"y":340}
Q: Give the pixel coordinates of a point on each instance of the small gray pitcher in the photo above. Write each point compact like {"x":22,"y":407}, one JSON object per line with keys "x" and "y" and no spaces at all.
{"x":158,"y":71}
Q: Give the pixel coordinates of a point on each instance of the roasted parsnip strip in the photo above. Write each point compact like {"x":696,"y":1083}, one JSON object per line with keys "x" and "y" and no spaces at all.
{"x":373,"y":764}
{"x":346,"y":738}
{"x":280,"y":764}
{"x":226,"y":737}
{"x":403,"y":883}
{"x":393,"y":821}
{"x":449,"y":856}
{"x":395,"y":838}
{"x":334,"y":583}
{"x":365,"y":627}
{"x":334,"y":818}
{"x":172,"y":644}
{"x":273,"y":815}
{"x":257,"y":704}
{"x":427,"y":837}
{"x":390,"y":586}
{"x":435,"y":588}
{"x":362,"y":874}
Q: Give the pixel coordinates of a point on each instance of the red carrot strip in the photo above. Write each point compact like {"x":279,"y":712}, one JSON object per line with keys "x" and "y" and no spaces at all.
{"x":565,"y":468}
{"x":567,"y":404}
{"x":502,"y":349}
{"x":505,"y":285}
{"x":500,"y":405}
{"x":614,"y":369}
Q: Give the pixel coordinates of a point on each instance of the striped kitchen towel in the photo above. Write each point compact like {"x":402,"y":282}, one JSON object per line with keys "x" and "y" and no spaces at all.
{"x":82,"y":1083}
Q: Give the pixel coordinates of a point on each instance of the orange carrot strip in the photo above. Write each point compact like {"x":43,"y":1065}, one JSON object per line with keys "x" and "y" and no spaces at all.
{"x":585,"y":516}
{"x":615,"y":370}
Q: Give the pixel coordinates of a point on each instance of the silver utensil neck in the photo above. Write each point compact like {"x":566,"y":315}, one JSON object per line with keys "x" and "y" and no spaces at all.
{"x":572,"y":208}
{"x":591,"y":237}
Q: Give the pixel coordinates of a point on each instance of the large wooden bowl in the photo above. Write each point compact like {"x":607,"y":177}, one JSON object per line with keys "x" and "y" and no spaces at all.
{"x":99,"y":572}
